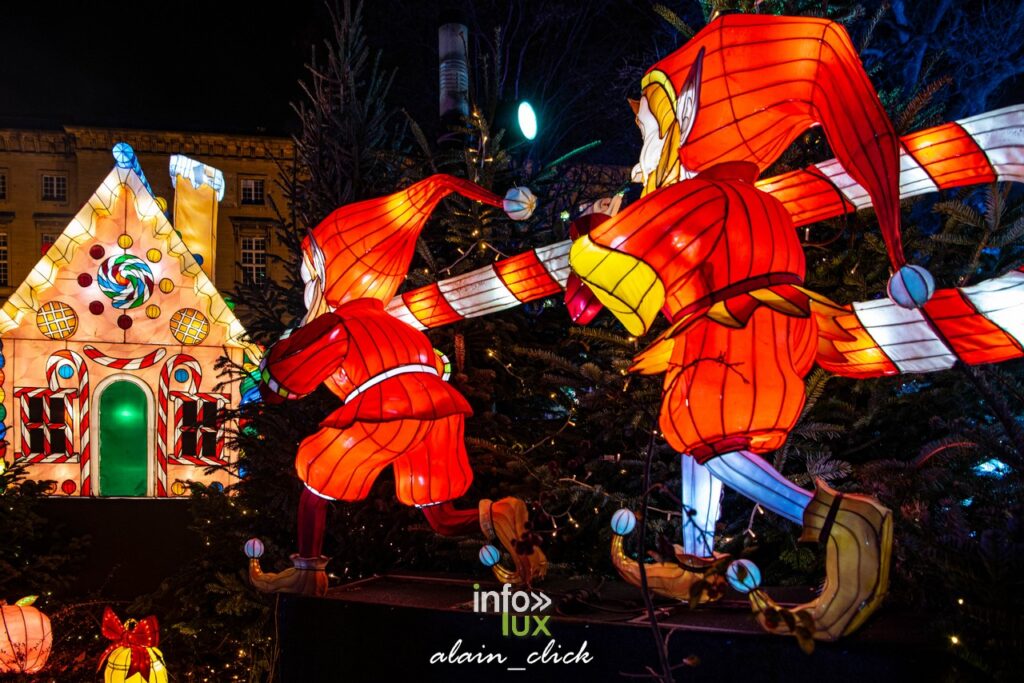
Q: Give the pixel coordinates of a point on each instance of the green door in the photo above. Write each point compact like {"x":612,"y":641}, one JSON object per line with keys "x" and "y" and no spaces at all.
{"x":124,"y":439}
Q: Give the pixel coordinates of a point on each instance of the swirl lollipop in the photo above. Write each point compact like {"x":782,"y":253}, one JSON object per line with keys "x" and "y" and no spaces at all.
{"x":126,"y":279}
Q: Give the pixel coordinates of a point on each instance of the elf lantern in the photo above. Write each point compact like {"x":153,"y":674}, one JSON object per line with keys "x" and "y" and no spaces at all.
{"x":398,"y":411}
{"x":132,"y":656}
{"x":26,"y":638}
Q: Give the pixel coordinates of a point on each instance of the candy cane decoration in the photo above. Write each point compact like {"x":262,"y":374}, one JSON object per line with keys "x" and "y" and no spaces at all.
{"x":53,"y":381}
{"x":195,"y":377}
{"x":979,"y":149}
{"x":218,"y":400}
{"x":141,"y":363}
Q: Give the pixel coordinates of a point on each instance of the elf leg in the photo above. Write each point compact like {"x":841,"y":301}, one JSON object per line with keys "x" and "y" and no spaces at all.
{"x":438,"y":471}
{"x":701,"y":498}
{"x":856,"y":529}
{"x":752,"y":476}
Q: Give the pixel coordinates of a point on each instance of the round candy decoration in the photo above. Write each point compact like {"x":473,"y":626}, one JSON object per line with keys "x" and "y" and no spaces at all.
{"x":152,"y":311}
{"x":84,"y":279}
{"x":154,"y":255}
{"x":125,"y":241}
{"x":57,"y":320}
{"x":96,"y":307}
{"x":124,"y":322}
{"x":181,"y":375}
{"x":126,"y":279}
{"x":189,"y":326}
{"x":96,"y":251}
{"x":489,"y":555}
{"x":65,"y":371}
{"x":179,"y":488}
{"x":69,"y":486}
{"x":623,"y":522}
{"x":743,"y":576}
{"x":166,"y":286}
{"x":254,"y":548}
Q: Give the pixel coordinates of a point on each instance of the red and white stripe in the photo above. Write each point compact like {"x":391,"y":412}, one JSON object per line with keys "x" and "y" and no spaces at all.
{"x":980,"y":149}
{"x":195,"y":371}
{"x":219,"y":400}
{"x":983,"y":323}
{"x":83,"y":414}
{"x":150,"y":359}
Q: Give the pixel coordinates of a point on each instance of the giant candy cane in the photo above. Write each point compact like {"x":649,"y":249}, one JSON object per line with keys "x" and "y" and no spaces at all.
{"x":195,"y":376}
{"x":52,"y":363}
{"x":978,"y":324}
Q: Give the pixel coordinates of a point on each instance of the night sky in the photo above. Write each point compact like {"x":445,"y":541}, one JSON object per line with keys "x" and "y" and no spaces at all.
{"x":231,"y":67}
{"x":234,"y":67}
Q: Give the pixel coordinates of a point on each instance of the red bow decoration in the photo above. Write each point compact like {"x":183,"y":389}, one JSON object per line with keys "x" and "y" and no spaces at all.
{"x":134,"y":635}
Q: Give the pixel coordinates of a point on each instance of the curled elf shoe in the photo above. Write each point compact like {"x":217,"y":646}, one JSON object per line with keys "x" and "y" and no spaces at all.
{"x":307,"y":576}
{"x":694,"y":580}
{"x":690,"y":579}
{"x":857,"y":531}
{"x":507,"y":520}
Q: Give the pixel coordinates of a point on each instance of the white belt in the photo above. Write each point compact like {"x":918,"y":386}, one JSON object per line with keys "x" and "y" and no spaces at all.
{"x":388,"y":374}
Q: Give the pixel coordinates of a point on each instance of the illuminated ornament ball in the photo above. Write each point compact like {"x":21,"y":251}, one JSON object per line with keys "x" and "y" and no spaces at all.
{"x":489,"y":555}
{"x":69,"y":486}
{"x":254,"y":548}
{"x":154,"y":256}
{"x":96,"y":307}
{"x":152,"y":311}
{"x":623,"y":522}
{"x":57,"y":320}
{"x":178,"y":488}
{"x":65,"y":371}
{"x":125,"y":241}
{"x":180,"y":375}
{"x":124,"y":322}
{"x":189,"y":326}
{"x":126,"y":279}
{"x":166,"y":286}
{"x":519,"y":203}
{"x":911,"y":287}
{"x":743,"y":576}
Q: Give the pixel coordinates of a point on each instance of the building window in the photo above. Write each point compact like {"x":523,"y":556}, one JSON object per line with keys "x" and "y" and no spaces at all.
{"x":46,"y":241}
{"x":198,"y":437}
{"x":46,"y":424}
{"x":254,"y":259}
{"x":3,"y":184}
{"x":252,"y":191}
{"x":55,"y":187}
{"x":3,"y":260}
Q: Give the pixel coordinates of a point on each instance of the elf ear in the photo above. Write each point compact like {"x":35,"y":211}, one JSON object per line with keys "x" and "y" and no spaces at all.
{"x":634,"y":105}
{"x":688,"y":99}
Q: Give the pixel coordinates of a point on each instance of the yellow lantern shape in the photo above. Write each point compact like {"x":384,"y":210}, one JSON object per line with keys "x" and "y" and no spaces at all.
{"x":132,"y":656}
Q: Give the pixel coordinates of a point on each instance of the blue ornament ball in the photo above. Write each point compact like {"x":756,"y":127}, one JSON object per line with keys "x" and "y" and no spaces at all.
{"x":743,"y":576}
{"x":66,"y":371}
{"x":180,"y":375}
{"x":199,"y":258}
{"x":3,"y":431}
{"x":623,"y":522}
{"x":489,"y":555}
{"x":911,"y":287}
{"x":254,"y":548}
{"x":3,"y":361}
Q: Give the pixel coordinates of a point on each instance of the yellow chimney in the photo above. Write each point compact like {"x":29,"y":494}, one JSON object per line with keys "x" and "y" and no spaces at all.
{"x":198,"y":189}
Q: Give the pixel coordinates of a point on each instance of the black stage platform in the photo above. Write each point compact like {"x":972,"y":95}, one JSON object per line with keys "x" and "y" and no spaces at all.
{"x":388,"y":628}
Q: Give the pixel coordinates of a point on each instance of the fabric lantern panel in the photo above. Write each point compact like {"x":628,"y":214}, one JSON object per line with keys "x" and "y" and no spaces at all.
{"x":26,"y":638}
